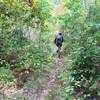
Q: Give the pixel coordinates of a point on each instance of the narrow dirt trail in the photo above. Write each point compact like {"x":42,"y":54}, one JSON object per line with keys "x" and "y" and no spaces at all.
{"x":58,"y":66}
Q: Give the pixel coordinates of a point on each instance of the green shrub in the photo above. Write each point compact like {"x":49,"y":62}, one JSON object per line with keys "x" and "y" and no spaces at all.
{"x":6,"y":75}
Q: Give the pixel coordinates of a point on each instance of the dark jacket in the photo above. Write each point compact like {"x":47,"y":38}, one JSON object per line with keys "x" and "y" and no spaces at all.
{"x":59,"y":39}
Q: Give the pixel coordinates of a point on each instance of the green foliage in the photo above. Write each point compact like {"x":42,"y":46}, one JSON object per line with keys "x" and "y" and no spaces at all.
{"x":19,"y":96}
{"x":44,"y":10}
{"x":85,"y":65}
{"x":16,"y":49}
{"x":82,"y":48}
{"x":82,"y":44}
{"x":6,"y":75}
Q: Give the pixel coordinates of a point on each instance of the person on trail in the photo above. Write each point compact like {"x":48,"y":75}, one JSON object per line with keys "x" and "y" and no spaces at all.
{"x":58,"y":41}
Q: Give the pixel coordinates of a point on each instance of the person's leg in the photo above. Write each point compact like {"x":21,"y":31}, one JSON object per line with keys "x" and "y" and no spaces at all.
{"x":60,"y":46}
{"x":59,"y":51}
{"x":57,"y":47}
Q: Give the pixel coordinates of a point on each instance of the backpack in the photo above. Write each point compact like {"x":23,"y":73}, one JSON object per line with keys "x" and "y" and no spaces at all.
{"x":58,"y":40}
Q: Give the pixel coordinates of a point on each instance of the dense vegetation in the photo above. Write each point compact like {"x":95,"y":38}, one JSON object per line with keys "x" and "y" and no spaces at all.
{"x":26,"y":45}
{"x":81,"y":77}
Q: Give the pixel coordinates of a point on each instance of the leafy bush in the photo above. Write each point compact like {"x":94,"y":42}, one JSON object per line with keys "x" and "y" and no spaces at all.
{"x":15,"y":48}
{"x":82,"y":48}
{"x":6,"y":75}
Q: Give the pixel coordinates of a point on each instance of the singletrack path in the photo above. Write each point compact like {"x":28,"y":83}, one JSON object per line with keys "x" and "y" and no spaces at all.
{"x":58,"y":66}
